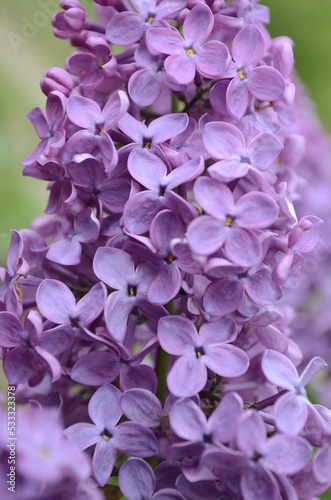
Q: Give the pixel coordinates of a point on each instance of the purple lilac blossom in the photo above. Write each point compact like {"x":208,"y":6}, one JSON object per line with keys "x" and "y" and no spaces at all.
{"x":179,"y":277}
{"x":189,"y":54}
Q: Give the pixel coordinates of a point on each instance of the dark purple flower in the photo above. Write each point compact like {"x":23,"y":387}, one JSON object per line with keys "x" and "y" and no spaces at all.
{"x":158,"y":131}
{"x":165,"y":227}
{"x":93,"y":66}
{"x":290,"y":409}
{"x":130,"y":438}
{"x":26,"y":357}
{"x":68,"y":251}
{"x":141,"y":405}
{"x":150,"y":82}
{"x":92,"y":183}
{"x":86,"y":114}
{"x":62,"y":192}
{"x":151,"y":172}
{"x":226,"y":295}
{"x":48,"y":127}
{"x":11,"y":294}
{"x":100,"y":367}
{"x":57,"y":303}
{"x":189,"y":422}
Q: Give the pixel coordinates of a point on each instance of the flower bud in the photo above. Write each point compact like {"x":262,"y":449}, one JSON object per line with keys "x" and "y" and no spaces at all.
{"x":56,"y":79}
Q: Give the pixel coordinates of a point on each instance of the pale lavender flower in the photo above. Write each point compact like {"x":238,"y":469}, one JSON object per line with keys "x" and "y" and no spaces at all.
{"x":226,"y":143}
{"x":190,"y":53}
{"x":230,"y":223}
{"x":208,"y":349}
{"x":290,"y":409}
{"x":263,"y":82}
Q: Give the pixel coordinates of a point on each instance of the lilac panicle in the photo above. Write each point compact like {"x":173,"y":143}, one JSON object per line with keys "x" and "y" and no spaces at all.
{"x":178,"y":282}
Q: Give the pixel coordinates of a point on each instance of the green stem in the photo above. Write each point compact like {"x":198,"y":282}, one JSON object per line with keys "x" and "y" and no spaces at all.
{"x":199,"y":94}
{"x":161,"y":368}
{"x":161,"y":364}
{"x":174,"y":103}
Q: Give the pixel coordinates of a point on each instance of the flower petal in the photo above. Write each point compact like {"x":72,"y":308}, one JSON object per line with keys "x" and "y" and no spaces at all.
{"x":262,"y":289}
{"x":104,"y":406}
{"x":188,"y":421}
{"x":251,"y":433}
{"x":167,"y":126}
{"x":214,"y":197}
{"x":117,"y":309}
{"x":113,"y":266}
{"x":206,"y":235}
{"x":225,"y":360}
{"x":212,"y":59}
{"x":125,"y":28}
{"x":243,"y":247}
{"x":256,"y":210}
{"x":223,"y":297}
{"x":144,"y":87}
{"x":133,"y":438}
{"x":164,"y":40}
{"x":177,"y":335}
{"x":237,"y":98}
{"x":180,"y":67}
{"x":198,"y":24}
{"x":263,"y":150}
{"x":266,"y":83}
{"x":10,"y":330}
{"x":104,"y":459}
{"x":291,"y":413}
{"x":96,"y":368}
{"x":286,"y":454}
{"x":146,"y":168}
{"x":248,"y":46}
{"x":140,"y":405}
{"x":136,"y":479}
{"x":218,"y":332}
{"x":187,"y":377}
{"x":83,"y":112}
{"x":223,"y":140}
{"x":279,"y":370}
{"x":140,"y":210}
{"x":55,"y":301}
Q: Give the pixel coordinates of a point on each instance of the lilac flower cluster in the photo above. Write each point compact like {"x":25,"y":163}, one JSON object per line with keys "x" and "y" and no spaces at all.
{"x":149,"y":312}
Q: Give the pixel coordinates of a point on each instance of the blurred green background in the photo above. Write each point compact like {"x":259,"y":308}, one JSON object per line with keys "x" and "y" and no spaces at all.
{"x":28,"y":49}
